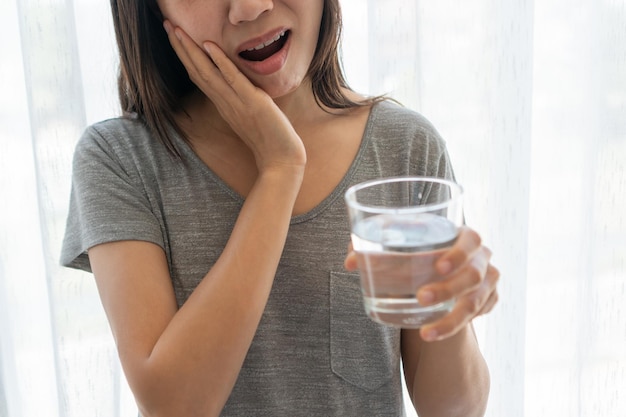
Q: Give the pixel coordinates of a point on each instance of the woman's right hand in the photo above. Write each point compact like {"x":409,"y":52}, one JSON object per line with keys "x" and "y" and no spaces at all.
{"x":250,"y":111}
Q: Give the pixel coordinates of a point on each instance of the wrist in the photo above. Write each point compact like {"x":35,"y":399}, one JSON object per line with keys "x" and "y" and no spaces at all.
{"x":284,"y":174}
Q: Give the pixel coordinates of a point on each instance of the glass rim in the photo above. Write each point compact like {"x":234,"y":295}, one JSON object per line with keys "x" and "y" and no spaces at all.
{"x":350,"y":193}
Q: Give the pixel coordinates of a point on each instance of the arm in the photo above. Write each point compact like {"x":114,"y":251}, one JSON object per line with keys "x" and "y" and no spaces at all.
{"x":445,"y":378}
{"x":445,"y":372}
{"x":185,"y":362}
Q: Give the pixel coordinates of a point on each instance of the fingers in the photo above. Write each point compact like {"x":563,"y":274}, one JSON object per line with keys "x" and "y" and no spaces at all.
{"x":215,"y":74}
{"x":231,"y":74}
{"x":470,"y":279}
{"x":464,"y":267}
{"x":467,"y":243}
{"x":475,"y":303}
{"x":463,"y":279}
{"x":492,"y":278}
{"x":472,"y":282}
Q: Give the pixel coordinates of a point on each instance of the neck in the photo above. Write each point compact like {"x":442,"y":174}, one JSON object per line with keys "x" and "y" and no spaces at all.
{"x":299,"y":106}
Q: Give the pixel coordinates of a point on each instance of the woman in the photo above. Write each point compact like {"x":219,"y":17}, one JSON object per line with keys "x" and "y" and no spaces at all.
{"x":212,"y":219}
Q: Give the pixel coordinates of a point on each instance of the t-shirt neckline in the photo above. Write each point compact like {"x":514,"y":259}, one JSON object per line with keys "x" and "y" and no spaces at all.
{"x":192,"y":157}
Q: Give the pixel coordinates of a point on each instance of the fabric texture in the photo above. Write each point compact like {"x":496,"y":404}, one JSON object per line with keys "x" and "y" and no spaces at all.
{"x":315,"y":351}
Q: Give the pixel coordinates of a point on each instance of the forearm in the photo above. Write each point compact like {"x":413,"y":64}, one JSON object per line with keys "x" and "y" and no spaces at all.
{"x":451,"y":378}
{"x":198,"y":356}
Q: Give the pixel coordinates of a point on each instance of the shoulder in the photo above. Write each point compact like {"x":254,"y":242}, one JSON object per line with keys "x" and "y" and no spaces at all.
{"x":393,"y":112}
{"x":114,"y":134}
{"x":392,"y":123}
{"x":123,"y":141}
{"x":401,"y":141}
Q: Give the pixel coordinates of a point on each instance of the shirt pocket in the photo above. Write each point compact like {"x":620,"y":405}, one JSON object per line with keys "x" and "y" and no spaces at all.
{"x":362,"y":352}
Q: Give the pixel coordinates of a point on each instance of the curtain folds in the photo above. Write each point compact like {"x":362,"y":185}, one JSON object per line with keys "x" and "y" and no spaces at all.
{"x":531,"y":100}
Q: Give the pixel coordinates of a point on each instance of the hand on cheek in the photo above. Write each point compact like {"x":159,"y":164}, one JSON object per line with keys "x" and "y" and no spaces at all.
{"x":251,"y":113}
{"x":207,"y":66}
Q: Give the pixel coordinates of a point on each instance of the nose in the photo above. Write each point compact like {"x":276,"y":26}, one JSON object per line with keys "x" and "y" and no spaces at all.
{"x":247,"y":10}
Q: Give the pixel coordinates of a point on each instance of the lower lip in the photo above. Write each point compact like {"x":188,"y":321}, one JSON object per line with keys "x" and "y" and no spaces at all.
{"x":271,"y":64}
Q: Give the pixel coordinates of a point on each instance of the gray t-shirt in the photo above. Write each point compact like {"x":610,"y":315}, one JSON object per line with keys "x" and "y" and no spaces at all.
{"x":315,"y":352}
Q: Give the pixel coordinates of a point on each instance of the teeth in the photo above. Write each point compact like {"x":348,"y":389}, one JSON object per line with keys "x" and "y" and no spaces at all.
{"x":271,"y":41}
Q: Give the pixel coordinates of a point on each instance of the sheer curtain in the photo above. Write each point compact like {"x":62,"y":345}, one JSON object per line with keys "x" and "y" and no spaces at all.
{"x":531,"y":99}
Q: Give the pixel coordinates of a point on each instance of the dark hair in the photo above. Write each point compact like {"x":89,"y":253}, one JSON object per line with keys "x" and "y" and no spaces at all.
{"x":152,"y":80}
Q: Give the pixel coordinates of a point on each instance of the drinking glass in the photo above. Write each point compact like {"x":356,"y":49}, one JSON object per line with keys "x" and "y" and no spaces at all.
{"x":399,"y":228}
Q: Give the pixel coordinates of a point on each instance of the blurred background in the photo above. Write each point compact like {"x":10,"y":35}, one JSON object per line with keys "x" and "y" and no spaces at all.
{"x":531,"y":100}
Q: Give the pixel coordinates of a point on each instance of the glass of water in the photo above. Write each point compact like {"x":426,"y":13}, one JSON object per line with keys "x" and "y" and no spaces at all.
{"x":400,"y":227}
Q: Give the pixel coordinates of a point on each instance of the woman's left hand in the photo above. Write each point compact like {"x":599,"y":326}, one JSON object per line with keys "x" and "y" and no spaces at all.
{"x":467,"y":276}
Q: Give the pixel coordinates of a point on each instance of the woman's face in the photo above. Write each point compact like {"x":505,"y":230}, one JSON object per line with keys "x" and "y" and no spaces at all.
{"x":271,"y":41}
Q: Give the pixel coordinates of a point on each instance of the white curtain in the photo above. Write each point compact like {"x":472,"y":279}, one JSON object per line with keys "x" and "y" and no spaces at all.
{"x":531,"y":99}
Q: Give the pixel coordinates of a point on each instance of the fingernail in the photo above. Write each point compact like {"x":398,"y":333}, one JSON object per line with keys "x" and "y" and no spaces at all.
{"x":426,"y":296}
{"x":207,"y":47}
{"x":444,"y":267}
{"x":167,"y":26}
{"x":430,"y":335}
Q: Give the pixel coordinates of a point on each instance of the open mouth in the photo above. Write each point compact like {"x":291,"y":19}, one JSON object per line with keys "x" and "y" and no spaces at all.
{"x":265,"y":50}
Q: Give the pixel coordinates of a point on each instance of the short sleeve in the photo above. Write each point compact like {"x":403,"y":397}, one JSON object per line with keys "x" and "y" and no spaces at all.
{"x":442,"y":167}
{"x":439,"y":167}
{"x":108,"y":200}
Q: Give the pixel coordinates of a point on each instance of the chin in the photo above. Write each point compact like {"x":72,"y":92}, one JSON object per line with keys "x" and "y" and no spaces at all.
{"x":281,"y":90}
